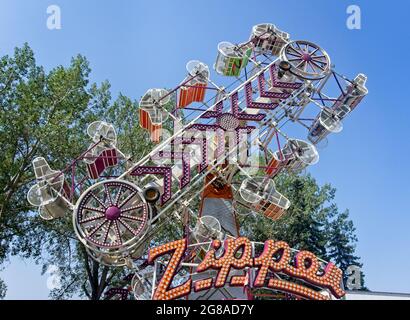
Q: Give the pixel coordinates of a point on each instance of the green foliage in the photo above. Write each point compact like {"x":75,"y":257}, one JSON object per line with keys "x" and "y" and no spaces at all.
{"x":341,"y":243}
{"x":43,"y":114}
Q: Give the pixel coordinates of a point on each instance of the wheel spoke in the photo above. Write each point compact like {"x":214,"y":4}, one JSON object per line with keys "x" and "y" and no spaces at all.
{"x":97,"y":228}
{"x":140,"y":206}
{"x":93,"y":218}
{"x":126,"y":216}
{"x":314,"y":51}
{"x":127,"y":199}
{"x":306,"y":48}
{"x":94,"y":209}
{"x":117,"y":199}
{"x":117,"y":231}
{"x":314,"y":63}
{"x":296,"y":59}
{"x":108,"y":194}
{"x":318,"y":61}
{"x":320,"y":57}
{"x":298,"y":52}
{"x":107,"y":232}
{"x":314,"y":68}
{"x":300,"y":64}
{"x":127,"y":226}
{"x":98,"y":200}
{"x":294,"y":55}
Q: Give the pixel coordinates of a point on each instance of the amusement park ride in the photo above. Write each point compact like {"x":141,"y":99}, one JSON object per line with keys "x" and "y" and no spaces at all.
{"x":204,"y":171}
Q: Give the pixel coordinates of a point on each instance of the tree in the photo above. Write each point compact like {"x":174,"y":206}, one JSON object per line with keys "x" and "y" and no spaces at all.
{"x":341,"y":243}
{"x":46,"y":114}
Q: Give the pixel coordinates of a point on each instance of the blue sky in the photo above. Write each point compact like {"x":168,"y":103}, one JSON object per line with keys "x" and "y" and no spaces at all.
{"x":138,"y":45}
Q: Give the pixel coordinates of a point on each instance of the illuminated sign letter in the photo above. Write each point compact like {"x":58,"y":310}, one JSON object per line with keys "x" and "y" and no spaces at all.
{"x":237,"y":254}
{"x":177,"y":250}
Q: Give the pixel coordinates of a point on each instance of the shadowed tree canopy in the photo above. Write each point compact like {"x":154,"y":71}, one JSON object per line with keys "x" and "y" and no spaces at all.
{"x":46,"y":113}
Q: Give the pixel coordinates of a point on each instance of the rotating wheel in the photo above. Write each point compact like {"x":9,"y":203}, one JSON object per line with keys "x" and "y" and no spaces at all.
{"x":307,"y":60}
{"x":111,"y":215}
